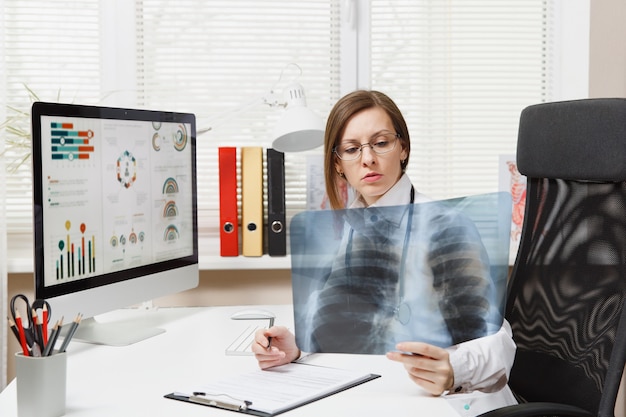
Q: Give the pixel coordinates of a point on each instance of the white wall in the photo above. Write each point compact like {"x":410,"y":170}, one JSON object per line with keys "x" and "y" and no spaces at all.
{"x":607,"y":52}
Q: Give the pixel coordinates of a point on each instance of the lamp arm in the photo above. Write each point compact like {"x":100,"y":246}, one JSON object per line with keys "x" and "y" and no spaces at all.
{"x":298,"y":129}
{"x":268,"y":99}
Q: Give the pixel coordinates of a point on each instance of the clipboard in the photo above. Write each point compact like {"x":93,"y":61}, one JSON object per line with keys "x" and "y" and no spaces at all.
{"x":271,"y":381}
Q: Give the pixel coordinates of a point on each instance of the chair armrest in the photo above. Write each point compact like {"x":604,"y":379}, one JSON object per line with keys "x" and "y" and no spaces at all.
{"x":538,"y":409}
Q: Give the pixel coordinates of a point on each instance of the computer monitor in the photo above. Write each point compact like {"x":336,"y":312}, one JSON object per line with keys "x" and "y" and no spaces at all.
{"x":115,"y":212}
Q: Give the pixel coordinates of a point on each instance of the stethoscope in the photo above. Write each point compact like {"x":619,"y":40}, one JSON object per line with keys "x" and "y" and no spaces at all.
{"x":402,"y":312}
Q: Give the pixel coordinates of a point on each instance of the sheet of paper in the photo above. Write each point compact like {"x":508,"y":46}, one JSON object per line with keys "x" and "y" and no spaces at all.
{"x":283,"y":387}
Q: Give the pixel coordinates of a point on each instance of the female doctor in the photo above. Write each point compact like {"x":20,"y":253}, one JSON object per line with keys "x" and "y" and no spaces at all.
{"x":367,"y":145}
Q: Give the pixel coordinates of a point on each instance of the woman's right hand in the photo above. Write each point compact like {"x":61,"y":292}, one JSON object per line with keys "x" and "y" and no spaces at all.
{"x":281,"y":350}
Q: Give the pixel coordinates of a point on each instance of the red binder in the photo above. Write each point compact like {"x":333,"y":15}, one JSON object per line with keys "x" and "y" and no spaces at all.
{"x":229,"y":230}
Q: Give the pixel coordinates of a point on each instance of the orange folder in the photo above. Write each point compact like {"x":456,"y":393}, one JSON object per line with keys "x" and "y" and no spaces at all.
{"x":252,"y":200}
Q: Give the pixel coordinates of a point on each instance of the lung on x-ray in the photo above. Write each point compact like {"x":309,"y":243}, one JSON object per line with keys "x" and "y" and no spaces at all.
{"x":365,"y":279}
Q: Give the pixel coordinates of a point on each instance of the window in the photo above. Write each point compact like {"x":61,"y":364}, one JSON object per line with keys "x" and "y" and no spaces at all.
{"x":461,"y":71}
{"x":53,"y":54}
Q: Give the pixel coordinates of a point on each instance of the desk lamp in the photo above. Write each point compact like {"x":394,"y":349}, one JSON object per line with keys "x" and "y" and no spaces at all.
{"x":299,"y":128}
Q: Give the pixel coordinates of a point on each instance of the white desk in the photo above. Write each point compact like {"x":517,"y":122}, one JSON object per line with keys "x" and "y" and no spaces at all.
{"x":131,"y":380}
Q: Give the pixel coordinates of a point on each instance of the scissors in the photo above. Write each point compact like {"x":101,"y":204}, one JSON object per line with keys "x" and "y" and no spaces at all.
{"x":36,"y":333}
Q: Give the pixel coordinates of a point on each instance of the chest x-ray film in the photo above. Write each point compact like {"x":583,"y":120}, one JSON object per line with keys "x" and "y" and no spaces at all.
{"x":366,"y":279}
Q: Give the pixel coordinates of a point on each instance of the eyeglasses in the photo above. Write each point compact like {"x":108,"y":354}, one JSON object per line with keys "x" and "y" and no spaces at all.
{"x":380,"y":144}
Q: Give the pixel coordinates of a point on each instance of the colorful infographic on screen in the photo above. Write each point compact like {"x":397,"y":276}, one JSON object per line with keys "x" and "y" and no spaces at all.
{"x":113,"y":195}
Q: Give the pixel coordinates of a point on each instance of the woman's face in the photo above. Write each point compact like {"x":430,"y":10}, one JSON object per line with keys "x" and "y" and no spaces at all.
{"x":370,"y":174}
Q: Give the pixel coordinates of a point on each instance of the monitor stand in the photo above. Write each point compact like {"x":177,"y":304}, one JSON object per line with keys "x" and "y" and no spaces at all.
{"x":111,"y":334}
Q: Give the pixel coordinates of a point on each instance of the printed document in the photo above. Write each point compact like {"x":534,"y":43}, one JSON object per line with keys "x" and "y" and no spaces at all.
{"x":275,"y":390}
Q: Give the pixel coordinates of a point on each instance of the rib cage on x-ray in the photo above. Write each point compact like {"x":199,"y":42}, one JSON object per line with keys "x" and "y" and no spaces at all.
{"x":346,"y":278}
{"x":357,"y":299}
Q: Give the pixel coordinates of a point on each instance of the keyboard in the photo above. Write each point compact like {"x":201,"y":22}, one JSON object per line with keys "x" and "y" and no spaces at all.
{"x":242,"y":344}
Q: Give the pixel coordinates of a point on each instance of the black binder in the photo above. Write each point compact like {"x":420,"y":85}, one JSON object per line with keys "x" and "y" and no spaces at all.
{"x":276,"y":223}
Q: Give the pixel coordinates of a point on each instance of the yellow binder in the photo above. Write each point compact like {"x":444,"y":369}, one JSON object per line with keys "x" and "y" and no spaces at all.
{"x":252,"y":200}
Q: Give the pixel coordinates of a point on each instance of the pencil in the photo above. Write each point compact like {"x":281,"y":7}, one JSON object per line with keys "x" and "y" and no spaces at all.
{"x":46,"y":350}
{"x":45,"y":324}
{"x":70,"y":333}
{"x":20,"y":329}
{"x":37,"y":330}
{"x":54,"y":337}
{"x":14,"y":328}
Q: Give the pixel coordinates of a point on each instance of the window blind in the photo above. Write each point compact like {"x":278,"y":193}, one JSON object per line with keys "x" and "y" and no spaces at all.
{"x":461,"y":71}
{"x":50,"y":53}
{"x":216,"y":59}
{"x":230,"y":55}
{"x":54,"y":55}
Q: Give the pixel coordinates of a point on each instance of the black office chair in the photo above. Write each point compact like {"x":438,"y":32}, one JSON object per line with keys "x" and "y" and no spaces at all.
{"x":566,"y":292}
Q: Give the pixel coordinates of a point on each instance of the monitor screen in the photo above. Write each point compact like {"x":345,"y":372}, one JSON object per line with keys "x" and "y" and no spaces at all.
{"x":115,"y":207}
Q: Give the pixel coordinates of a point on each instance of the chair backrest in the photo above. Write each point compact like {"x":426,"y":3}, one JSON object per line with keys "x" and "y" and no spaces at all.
{"x":567,"y":289}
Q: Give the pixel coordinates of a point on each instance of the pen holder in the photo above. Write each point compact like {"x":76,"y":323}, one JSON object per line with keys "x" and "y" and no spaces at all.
{"x":41,"y":383}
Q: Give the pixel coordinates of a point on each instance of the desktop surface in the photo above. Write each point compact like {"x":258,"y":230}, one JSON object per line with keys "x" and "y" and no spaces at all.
{"x":132,"y":380}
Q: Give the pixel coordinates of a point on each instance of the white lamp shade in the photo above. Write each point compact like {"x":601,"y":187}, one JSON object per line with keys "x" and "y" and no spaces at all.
{"x":299,"y":128}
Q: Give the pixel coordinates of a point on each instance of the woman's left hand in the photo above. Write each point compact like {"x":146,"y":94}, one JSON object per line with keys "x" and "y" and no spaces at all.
{"x":428,"y":366}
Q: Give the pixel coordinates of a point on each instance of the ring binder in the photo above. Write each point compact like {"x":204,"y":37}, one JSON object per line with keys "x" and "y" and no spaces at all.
{"x":252,"y":200}
{"x":229,"y":231}
{"x":276,"y":224}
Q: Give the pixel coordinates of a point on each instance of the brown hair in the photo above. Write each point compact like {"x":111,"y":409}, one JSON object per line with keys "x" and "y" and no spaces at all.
{"x":341,"y":113}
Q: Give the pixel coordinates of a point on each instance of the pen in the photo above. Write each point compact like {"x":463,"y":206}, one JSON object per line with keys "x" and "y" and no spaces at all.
{"x":269,"y":339}
{"x":20,"y":329}
{"x":70,"y":333}
{"x":220,"y":400}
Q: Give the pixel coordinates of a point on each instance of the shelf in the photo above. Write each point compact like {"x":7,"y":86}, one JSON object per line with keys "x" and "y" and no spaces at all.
{"x":20,"y":257}
{"x":22,"y":263}
{"x":244,"y":262}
